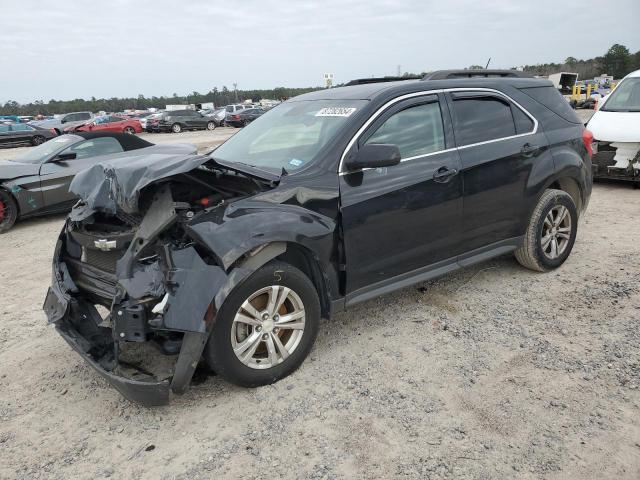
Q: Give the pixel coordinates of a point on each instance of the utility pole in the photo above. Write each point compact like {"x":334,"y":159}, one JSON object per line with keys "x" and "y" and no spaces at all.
{"x":235,"y":91}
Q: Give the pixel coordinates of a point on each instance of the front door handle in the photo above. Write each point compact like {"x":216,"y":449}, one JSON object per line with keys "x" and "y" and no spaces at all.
{"x":444,"y":174}
{"x":528,"y":149}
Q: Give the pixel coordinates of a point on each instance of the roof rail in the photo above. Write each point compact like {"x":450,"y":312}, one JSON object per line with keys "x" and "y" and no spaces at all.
{"x":472,"y":73}
{"x":363,"y":81}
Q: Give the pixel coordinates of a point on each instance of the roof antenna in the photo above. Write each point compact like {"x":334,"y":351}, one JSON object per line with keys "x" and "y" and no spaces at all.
{"x":488,"y":62}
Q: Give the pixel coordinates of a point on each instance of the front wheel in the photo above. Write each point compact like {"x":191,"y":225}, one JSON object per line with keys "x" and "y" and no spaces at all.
{"x":211,"y":126}
{"x":176,"y":128}
{"x":8,"y":211}
{"x":265,"y":328}
{"x":551,"y":232}
{"x":129,"y":130}
{"x":38,"y":140}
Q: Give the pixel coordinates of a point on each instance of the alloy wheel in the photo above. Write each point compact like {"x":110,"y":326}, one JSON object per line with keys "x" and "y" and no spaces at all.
{"x":129,"y":131}
{"x":268,"y":327}
{"x":556,"y":232}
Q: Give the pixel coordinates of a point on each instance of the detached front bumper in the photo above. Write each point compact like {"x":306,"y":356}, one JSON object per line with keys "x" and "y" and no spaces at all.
{"x":66,"y":313}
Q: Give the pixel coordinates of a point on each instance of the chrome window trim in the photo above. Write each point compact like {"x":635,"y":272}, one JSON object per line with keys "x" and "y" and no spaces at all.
{"x":393,"y":101}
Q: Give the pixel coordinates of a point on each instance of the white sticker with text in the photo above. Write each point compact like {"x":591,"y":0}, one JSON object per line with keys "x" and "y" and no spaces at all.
{"x":335,"y":112}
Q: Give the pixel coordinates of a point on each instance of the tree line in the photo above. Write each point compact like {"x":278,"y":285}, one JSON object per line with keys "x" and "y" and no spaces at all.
{"x":221,"y":97}
{"x":617,"y":61}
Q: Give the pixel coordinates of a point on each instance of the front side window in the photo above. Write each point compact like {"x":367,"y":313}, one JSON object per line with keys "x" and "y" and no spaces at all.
{"x":415,"y":131}
{"x":480,"y":119}
{"x":95,"y":147}
{"x":21,"y":128}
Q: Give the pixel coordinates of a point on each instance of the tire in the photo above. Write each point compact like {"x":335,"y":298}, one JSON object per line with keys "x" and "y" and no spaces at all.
{"x":554,"y":221}
{"x":8,"y":211}
{"x":38,"y":140}
{"x":176,"y":128}
{"x":260,"y":367}
{"x":129,"y":130}
{"x":211,"y":126}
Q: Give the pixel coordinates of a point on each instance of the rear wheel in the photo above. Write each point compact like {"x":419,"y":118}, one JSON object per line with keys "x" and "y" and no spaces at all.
{"x":129,"y":130}
{"x":211,"y":126}
{"x":265,"y":328}
{"x":38,"y":140}
{"x":551,"y":232}
{"x":8,"y":211}
{"x":176,"y":128}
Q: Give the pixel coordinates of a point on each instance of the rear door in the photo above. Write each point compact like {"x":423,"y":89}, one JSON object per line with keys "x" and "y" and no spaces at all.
{"x":399,"y":219}
{"x":20,"y":133}
{"x":499,"y":145}
{"x":55,"y":177}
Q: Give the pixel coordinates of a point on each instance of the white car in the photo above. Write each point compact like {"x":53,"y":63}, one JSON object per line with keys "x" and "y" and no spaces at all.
{"x":616,"y":132}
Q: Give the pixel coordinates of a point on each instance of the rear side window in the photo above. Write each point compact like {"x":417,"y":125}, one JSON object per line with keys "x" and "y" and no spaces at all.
{"x":4,"y":128}
{"x":480,"y":119}
{"x":416,"y":130}
{"x":84,"y":116}
{"x":553,"y":100}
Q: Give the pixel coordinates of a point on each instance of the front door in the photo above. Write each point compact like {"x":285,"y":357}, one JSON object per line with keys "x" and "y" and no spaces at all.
{"x":400,"y":219}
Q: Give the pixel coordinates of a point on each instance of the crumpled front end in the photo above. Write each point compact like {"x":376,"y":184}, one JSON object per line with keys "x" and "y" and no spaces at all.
{"x":133,"y":293}
{"x":616,"y":160}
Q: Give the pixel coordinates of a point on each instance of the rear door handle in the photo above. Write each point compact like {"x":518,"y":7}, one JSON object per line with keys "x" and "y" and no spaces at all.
{"x":444,"y":174}
{"x":529,"y":149}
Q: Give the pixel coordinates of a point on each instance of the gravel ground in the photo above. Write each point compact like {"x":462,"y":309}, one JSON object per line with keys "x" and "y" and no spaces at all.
{"x":492,"y":372}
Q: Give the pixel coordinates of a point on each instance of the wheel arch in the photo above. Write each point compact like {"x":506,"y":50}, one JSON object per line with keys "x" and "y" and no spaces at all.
{"x":4,"y":189}
{"x":304,"y":260}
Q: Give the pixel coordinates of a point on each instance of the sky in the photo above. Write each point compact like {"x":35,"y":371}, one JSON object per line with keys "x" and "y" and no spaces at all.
{"x":67,"y":49}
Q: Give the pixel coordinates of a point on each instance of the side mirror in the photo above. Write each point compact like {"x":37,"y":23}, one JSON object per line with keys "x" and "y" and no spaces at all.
{"x":63,"y":157}
{"x":374,"y":155}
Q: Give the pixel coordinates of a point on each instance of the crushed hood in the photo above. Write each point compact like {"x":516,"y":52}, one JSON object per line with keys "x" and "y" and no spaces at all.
{"x":10,"y":170}
{"x":615,"y":126}
{"x":117,"y":182}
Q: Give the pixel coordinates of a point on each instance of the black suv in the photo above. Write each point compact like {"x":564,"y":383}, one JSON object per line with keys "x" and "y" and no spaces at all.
{"x":178,"y":120}
{"x":327,"y":200}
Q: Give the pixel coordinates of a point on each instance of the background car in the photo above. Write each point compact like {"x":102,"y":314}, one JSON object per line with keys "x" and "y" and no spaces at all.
{"x":37,"y":182}
{"x":146,"y":122}
{"x":21,"y":134}
{"x":178,"y":120}
{"x":244,"y":117}
{"x":61,"y":122}
{"x":108,"y":123}
{"x":616,"y":133}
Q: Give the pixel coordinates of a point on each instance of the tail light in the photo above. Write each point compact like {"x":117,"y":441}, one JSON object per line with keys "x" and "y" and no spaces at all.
{"x":53,"y":130}
{"x":236,"y":117}
{"x":587,"y":138}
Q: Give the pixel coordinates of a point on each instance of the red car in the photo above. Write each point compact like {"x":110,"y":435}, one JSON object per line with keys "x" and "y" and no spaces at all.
{"x":108,"y":123}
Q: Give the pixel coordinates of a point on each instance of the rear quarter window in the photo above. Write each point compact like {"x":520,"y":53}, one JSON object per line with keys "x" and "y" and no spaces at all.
{"x":553,"y":100}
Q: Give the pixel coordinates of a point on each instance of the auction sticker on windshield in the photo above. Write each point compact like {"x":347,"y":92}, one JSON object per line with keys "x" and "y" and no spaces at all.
{"x":335,"y":112}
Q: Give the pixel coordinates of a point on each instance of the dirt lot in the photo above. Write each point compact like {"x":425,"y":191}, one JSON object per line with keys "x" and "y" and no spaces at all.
{"x":492,"y":372}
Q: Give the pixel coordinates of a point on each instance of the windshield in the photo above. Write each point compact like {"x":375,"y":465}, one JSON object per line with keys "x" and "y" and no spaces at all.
{"x":288,"y":136}
{"x":40,"y":153}
{"x":625,"y":98}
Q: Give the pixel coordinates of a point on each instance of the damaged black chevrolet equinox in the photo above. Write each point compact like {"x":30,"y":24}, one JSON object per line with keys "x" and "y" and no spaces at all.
{"x":327,"y":200}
